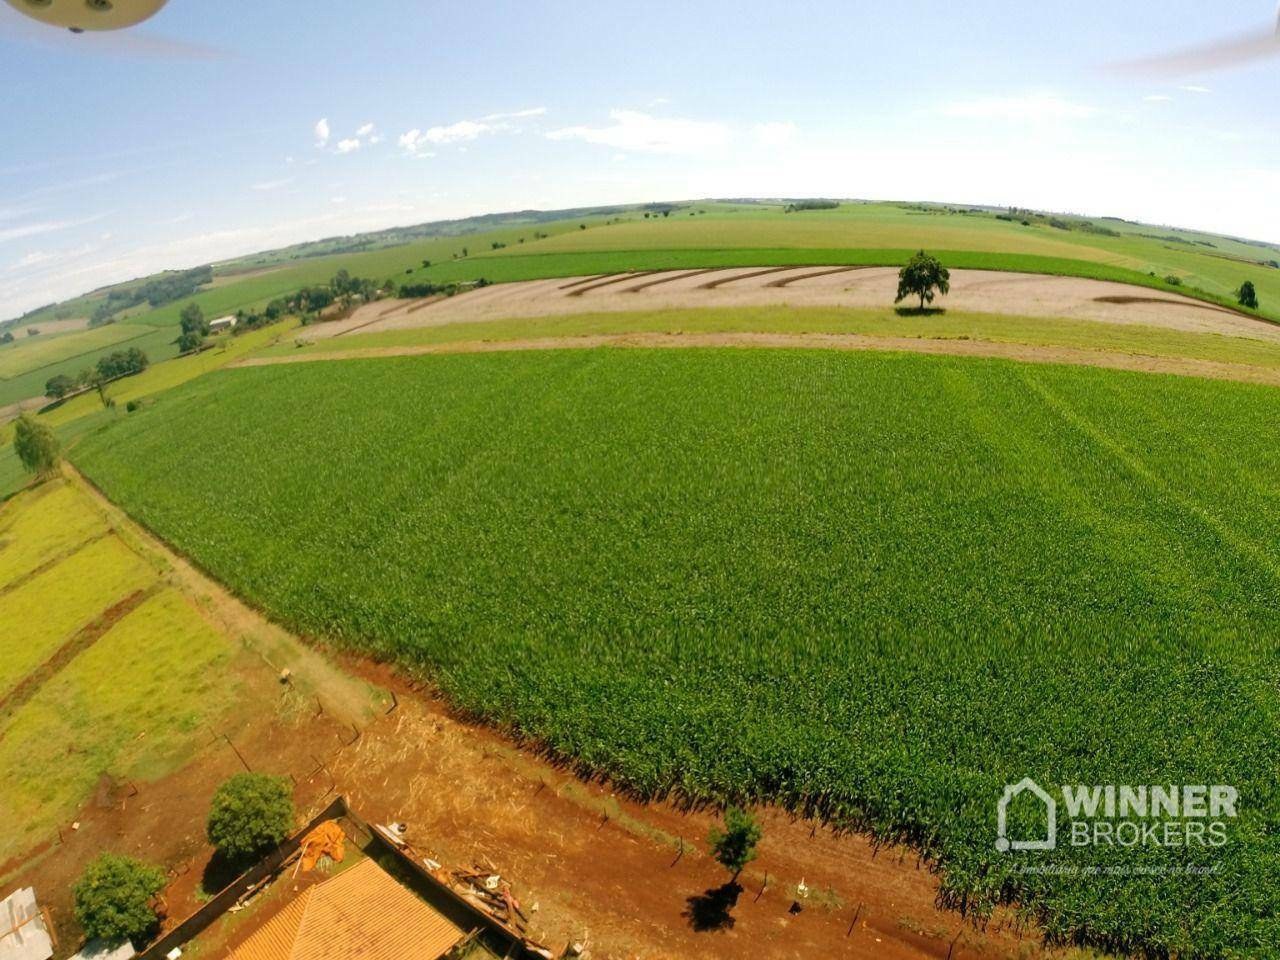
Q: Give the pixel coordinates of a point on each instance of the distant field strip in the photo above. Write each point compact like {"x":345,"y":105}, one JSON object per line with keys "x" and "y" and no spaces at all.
{"x":1175,"y":366}
{"x":1033,"y":339}
{"x":855,"y":288}
{"x":35,"y":353}
{"x":869,"y":586}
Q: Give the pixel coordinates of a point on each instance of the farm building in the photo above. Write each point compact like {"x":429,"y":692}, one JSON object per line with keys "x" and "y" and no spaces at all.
{"x":362,"y":912}
{"x":222,"y":323}
{"x":24,"y":934}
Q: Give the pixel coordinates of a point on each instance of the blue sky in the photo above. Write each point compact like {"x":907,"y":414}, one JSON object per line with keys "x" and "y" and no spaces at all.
{"x":199,"y":135}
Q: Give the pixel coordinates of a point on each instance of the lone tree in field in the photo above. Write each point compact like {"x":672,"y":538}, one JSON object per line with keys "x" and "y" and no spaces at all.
{"x":735,"y":845}
{"x":1247,"y":295}
{"x":36,"y":446}
{"x":115,"y":898}
{"x":251,"y":813}
{"x":921,"y":277}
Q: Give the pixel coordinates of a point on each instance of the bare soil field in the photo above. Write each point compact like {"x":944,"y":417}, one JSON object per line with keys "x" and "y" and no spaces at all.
{"x":976,"y":291}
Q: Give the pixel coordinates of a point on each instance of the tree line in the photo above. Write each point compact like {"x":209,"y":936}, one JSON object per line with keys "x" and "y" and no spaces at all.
{"x":113,"y":366}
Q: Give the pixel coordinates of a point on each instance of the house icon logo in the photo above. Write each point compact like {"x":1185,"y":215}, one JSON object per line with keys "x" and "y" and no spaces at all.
{"x":1011,"y":792}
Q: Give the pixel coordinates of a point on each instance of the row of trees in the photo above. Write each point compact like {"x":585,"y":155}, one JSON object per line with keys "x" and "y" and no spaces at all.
{"x":115,"y":898}
{"x":121,"y":363}
{"x":164,"y":289}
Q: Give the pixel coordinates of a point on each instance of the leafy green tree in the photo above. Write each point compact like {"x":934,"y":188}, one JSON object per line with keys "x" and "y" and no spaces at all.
{"x":1247,"y":295}
{"x":192,"y":320}
{"x":189,"y":341}
{"x":924,"y":277}
{"x":7,"y":337}
{"x":59,"y":386}
{"x":735,"y":845}
{"x":115,"y":898}
{"x":251,"y":813}
{"x":36,"y":446}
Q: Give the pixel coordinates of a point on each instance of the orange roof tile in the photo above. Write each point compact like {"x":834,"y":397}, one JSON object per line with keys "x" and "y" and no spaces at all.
{"x":361,"y":914}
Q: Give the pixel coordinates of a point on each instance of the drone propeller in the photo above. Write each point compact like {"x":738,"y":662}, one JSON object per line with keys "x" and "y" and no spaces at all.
{"x":1220,"y":55}
{"x":128,"y":44}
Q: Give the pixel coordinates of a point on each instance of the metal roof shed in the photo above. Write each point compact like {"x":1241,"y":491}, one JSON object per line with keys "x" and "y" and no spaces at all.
{"x":23,"y":933}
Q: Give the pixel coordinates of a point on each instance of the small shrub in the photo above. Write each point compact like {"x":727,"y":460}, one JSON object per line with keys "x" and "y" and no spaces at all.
{"x":1173,"y":280}
{"x":114,"y":898}
{"x":735,"y":846}
{"x":1247,"y":295}
{"x":250,"y":814}
{"x":133,"y":405}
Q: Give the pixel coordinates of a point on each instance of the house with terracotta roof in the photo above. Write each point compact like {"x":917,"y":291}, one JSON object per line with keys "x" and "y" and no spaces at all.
{"x":362,"y":913}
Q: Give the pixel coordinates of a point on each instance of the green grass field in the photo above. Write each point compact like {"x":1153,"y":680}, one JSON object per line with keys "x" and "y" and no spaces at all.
{"x":875,"y":587}
{"x":29,"y":381}
{"x":35,"y":353}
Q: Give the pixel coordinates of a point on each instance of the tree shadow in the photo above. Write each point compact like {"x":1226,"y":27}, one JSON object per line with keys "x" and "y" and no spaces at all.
{"x":919,"y":311}
{"x":219,"y":873}
{"x":711,"y":910}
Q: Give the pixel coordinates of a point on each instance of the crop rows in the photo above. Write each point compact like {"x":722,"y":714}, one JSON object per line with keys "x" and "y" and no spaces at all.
{"x":875,"y":588}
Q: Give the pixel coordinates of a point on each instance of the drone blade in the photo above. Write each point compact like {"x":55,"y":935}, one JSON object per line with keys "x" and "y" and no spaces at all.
{"x":1244,"y":49}
{"x":131,"y":44}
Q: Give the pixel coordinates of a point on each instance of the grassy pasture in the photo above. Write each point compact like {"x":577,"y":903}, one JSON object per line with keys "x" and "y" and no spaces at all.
{"x":50,"y":523}
{"x":164,"y":376}
{"x":100,"y":570}
{"x":35,"y":353}
{"x":135,"y":704}
{"x":157,"y":343}
{"x":875,"y":587}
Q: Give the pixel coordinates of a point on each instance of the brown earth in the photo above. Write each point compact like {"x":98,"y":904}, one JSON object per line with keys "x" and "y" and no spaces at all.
{"x":978,"y":291}
{"x":1026,"y":353}
{"x":631,"y":879}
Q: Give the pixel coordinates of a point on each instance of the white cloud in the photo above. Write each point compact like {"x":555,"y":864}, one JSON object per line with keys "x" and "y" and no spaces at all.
{"x":322,"y":132}
{"x":39,"y":229}
{"x":365,"y":130}
{"x":775,"y":134}
{"x":1035,"y":108}
{"x":338,"y":200}
{"x":516,"y":115}
{"x":1157,"y":98}
{"x":632,"y":130}
{"x":1194,"y":88}
{"x":457,"y":132}
{"x":273,"y":184}
{"x":416,"y":141}
{"x":348,"y":146}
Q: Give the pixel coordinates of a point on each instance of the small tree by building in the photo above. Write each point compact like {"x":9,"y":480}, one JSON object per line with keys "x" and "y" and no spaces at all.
{"x":250,"y":814}
{"x":115,"y":898}
{"x":924,"y":277}
{"x":194,"y":328}
{"x":734,"y":846}
{"x":1247,"y":295}
{"x":36,"y":446}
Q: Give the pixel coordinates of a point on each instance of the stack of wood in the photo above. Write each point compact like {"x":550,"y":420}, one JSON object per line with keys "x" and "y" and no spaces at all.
{"x":488,"y":891}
